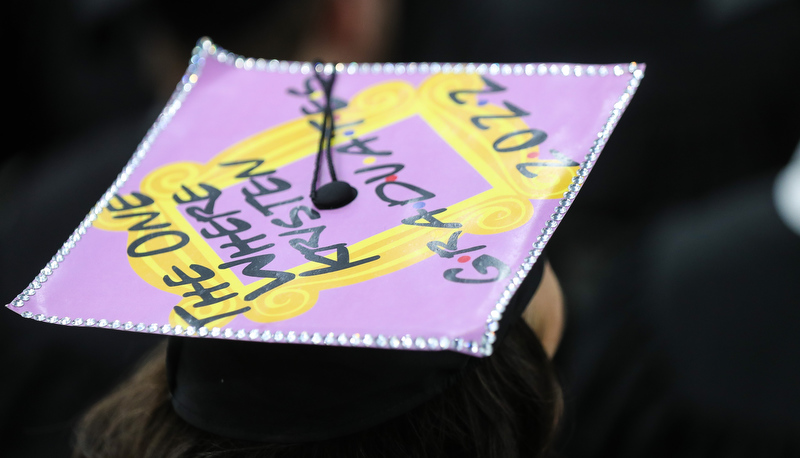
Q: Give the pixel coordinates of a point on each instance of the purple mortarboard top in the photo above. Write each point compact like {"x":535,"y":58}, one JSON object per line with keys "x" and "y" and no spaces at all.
{"x":463,"y":172}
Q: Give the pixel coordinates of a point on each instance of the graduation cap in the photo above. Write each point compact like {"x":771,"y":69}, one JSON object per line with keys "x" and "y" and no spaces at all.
{"x":373,"y":206}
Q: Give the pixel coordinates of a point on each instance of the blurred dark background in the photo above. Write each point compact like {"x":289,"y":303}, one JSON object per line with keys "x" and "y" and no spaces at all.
{"x":681,"y":280}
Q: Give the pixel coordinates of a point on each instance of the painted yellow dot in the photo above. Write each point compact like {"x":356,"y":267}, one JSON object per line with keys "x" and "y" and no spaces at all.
{"x":368,"y":160}
{"x":316,"y":95}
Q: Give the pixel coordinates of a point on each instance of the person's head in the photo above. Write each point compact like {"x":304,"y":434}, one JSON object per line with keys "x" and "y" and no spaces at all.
{"x":505,"y":405}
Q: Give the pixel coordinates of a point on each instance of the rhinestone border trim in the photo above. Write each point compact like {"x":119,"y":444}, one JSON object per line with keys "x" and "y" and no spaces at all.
{"x":206,"y":49}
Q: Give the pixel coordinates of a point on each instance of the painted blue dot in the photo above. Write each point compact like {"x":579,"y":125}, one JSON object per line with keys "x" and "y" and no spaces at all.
{"x":348,"y":132}
{"x":419,"y":205}
{"x":483,"y":102}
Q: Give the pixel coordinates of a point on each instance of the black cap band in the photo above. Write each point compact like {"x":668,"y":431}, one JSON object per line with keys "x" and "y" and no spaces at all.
{"x":288,"y":393}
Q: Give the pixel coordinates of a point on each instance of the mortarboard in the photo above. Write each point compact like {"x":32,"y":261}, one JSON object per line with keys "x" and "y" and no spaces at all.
{"x":458,"y":174}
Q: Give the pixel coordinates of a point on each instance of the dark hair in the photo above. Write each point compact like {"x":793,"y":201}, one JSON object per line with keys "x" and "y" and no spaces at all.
{"x":506,"y":405}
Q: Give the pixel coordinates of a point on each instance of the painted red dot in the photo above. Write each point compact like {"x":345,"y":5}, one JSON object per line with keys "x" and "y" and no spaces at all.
{"x":463,"y":259}
{"x":336,"y":117}
{"x":391,"y":178}
{"x":533,"y":154}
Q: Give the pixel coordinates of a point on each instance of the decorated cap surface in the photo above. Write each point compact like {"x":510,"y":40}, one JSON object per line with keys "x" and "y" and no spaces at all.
{"x":462,"y":173}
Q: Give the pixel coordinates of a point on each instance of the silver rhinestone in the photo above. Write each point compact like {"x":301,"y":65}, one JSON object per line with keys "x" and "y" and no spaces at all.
{"x":352,"y":68}
{"x":541,"y":69}
{"x":458,"y":68}
{"x":102,"y":323}
{"x":388,"y":68}
{"x":494,"y":326}
{"x":638,"y":74}
{"x":152,"y":328}
{"x":603,"y":71}
{"x":342,"y":339}
{"x":406,"y":341}
{"x":495,"y":315}
{"x":284,"y":65}
{"x":178,"y":330}
{"x":330,"y":338}
{"x":141,"y":327}
{"x":52,"y":319}
{"x":316,"y":338}
{"x":554,"y":69}
{"x":241,"y":334}
{"x":494,"y":69}
{"x":261,"y":64}
{"x":420,"y":343}
{"x":116,"y":324}
{"x":459,"y":344}
{"x":444,"y":343}
{"x":35,"y":284}
{"x":291,"y":336}
{"x":518,"y":69}
{"x":529,"y":69}
{"x":19,"y":303}
{"x":165,"y":329}
{"x":505,"y":69}
{"x":578,"y":70}
{"x":394,"y":342}
{"x":433,"y":342}
{"x":482,"y":68}
{"x":367,"y":340}
{"x":376,"y":68}
{"x":266,"y":335}
{"x":78,"y":322}
{"x":565,"y":70}
{"x":304,"y":337}
{"x":474,"y":347}
{"x":435,"y":67}
{"x":355,"y":340}
{"x":191,"y":330}
{"x":446,"y":67}
{"x":203,"y":331}
{"x":487,"y":350}
{"x":27,"y":314}
{"x":381,"y":341}
{"x":42,"y":278}
{"x":278,"y":336}
{"x":254,"y":334}
{"x":128,"y":325}
{"x":491,"y":337}
{"x":294,"y":67}
{"x":227,"y":333}
{"x":411,"y":68}
{"x":470,"y":68}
